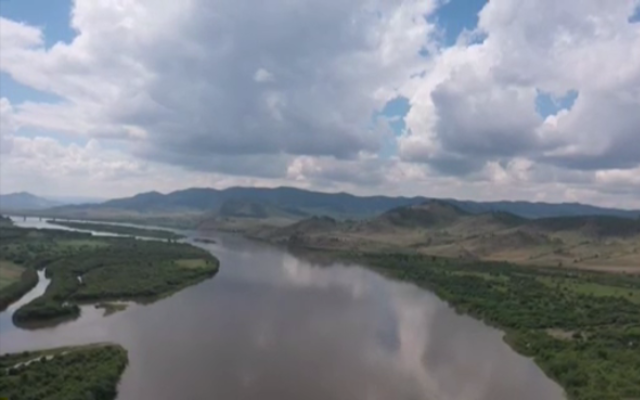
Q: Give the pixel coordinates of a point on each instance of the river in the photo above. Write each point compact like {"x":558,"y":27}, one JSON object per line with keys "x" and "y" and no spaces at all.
{"x":274,"y":326}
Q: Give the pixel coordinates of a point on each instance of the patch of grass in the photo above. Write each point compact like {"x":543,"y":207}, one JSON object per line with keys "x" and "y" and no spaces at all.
{"x":483,"y":275}
{"x":593,"y":289}
{"x":194,"y":263}
{"x":80,"y":243}
{"x":9,"y":273}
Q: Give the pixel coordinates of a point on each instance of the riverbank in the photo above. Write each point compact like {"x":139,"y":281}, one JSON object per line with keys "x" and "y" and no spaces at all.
{"x":368,"y":333}
{"x":582,"y":328}
{"x":13,"y":292}
{"x":117,"y":229}
{"x":64,"y":373}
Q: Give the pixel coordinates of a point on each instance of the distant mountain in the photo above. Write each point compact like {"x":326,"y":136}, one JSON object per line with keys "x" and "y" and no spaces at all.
{"x":591,"y":226}
{"x":249,"y":209}
{"x":25,"y":201}
{"x":430,"y":214}
{"x":289,"y":200}
{"x":542,"y":210}
{"x":338,"y":205}
{"x":77,"y":199}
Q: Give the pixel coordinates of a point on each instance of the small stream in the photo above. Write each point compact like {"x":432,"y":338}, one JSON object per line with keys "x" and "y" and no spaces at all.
{"x":6,"y":322}
{"x":37,"y":291}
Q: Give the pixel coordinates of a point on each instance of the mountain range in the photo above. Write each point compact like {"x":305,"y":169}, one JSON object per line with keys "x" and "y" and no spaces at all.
{"x":295,"y":203}
{"x":524,"y":232}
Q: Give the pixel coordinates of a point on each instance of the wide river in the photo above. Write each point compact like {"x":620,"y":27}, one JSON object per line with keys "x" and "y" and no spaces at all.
{"x":274,"y":326}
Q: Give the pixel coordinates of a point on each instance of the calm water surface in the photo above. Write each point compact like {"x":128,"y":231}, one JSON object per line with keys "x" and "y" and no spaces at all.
{"x":273,"y":326}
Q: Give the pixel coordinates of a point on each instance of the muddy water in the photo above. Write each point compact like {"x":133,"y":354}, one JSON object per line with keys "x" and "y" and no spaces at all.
{"x":273,"y":326}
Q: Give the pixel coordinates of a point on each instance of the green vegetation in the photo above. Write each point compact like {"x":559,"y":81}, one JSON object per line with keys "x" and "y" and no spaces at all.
{"x":86,"y":269}
{"x":70,"y":373}
{"x":5,"y":221}
{"x":9,"y":273}
{"x":581,"y":327}
{"x":13,"y":292}
{"x":118,"y":229}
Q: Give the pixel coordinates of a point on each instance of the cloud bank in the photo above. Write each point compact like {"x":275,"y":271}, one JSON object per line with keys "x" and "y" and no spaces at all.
{"x":222,"y":92}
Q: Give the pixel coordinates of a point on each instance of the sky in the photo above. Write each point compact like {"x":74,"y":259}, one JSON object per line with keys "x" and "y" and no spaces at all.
{"x":533,"y":100}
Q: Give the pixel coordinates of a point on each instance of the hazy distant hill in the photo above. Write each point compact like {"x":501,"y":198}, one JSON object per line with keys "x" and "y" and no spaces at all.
{"x":25,"y":201}
{"x":339,"y":205}
{"x":440,"y":228}
{"x":250,"y":209}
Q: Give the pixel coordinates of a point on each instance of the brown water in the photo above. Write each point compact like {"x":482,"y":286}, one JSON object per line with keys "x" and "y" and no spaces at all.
{"x":272,"y":326}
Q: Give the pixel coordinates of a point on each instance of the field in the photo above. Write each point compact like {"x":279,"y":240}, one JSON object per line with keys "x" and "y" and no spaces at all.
{"x":91,"y":269}
{"x":581,"y":327}
{"x":10,"y":273}
{"x":83,"y":372}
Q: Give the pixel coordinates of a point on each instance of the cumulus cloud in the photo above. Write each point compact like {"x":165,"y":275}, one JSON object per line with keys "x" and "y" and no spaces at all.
{"x":289,"y":92}
{"x":8,"y":126}
{"x":477,"y":102}
{"x":193,"y":76}
{"x":366,"y":171}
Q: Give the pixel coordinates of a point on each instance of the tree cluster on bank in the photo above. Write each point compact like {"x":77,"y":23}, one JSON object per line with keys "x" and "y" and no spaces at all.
{"x":90,"y":372}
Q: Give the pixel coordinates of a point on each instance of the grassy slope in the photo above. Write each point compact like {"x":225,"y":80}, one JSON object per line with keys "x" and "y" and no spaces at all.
{"x":10,"y":273}
{"x":70,"y":373}
{"x":442,"y":230}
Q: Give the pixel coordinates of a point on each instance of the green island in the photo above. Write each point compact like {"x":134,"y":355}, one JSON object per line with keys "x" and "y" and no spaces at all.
{"x":89,"y":269}
{"x":67,"y":373}
{"x":581,"y":327}
{"x":118,"y":229}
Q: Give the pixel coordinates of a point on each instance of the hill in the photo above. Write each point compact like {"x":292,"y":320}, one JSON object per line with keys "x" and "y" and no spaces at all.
{"x":250,"y":209}
{"x":442,"y":229}
{"x":299,"y":203}
{"x":25,"y":201}
{"x":429,"y":214}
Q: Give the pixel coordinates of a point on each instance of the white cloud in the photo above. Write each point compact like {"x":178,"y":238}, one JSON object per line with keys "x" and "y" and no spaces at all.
{"x":222,"y":92}
{"x":262,"y":75}
{"x":182,"y":73}
{"x":476,"y":103}
{"x":8,"y":126}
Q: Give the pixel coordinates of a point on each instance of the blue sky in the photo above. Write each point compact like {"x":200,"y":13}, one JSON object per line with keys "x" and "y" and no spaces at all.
{"x":53,"y":16}
{"x":458,"y":15}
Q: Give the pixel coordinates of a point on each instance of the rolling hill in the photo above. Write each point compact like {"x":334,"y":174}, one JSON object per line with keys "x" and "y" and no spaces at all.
{"x":443,"y":229}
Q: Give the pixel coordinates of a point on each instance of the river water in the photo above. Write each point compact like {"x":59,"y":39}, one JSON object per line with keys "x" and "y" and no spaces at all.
{"x":274,"y":326}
